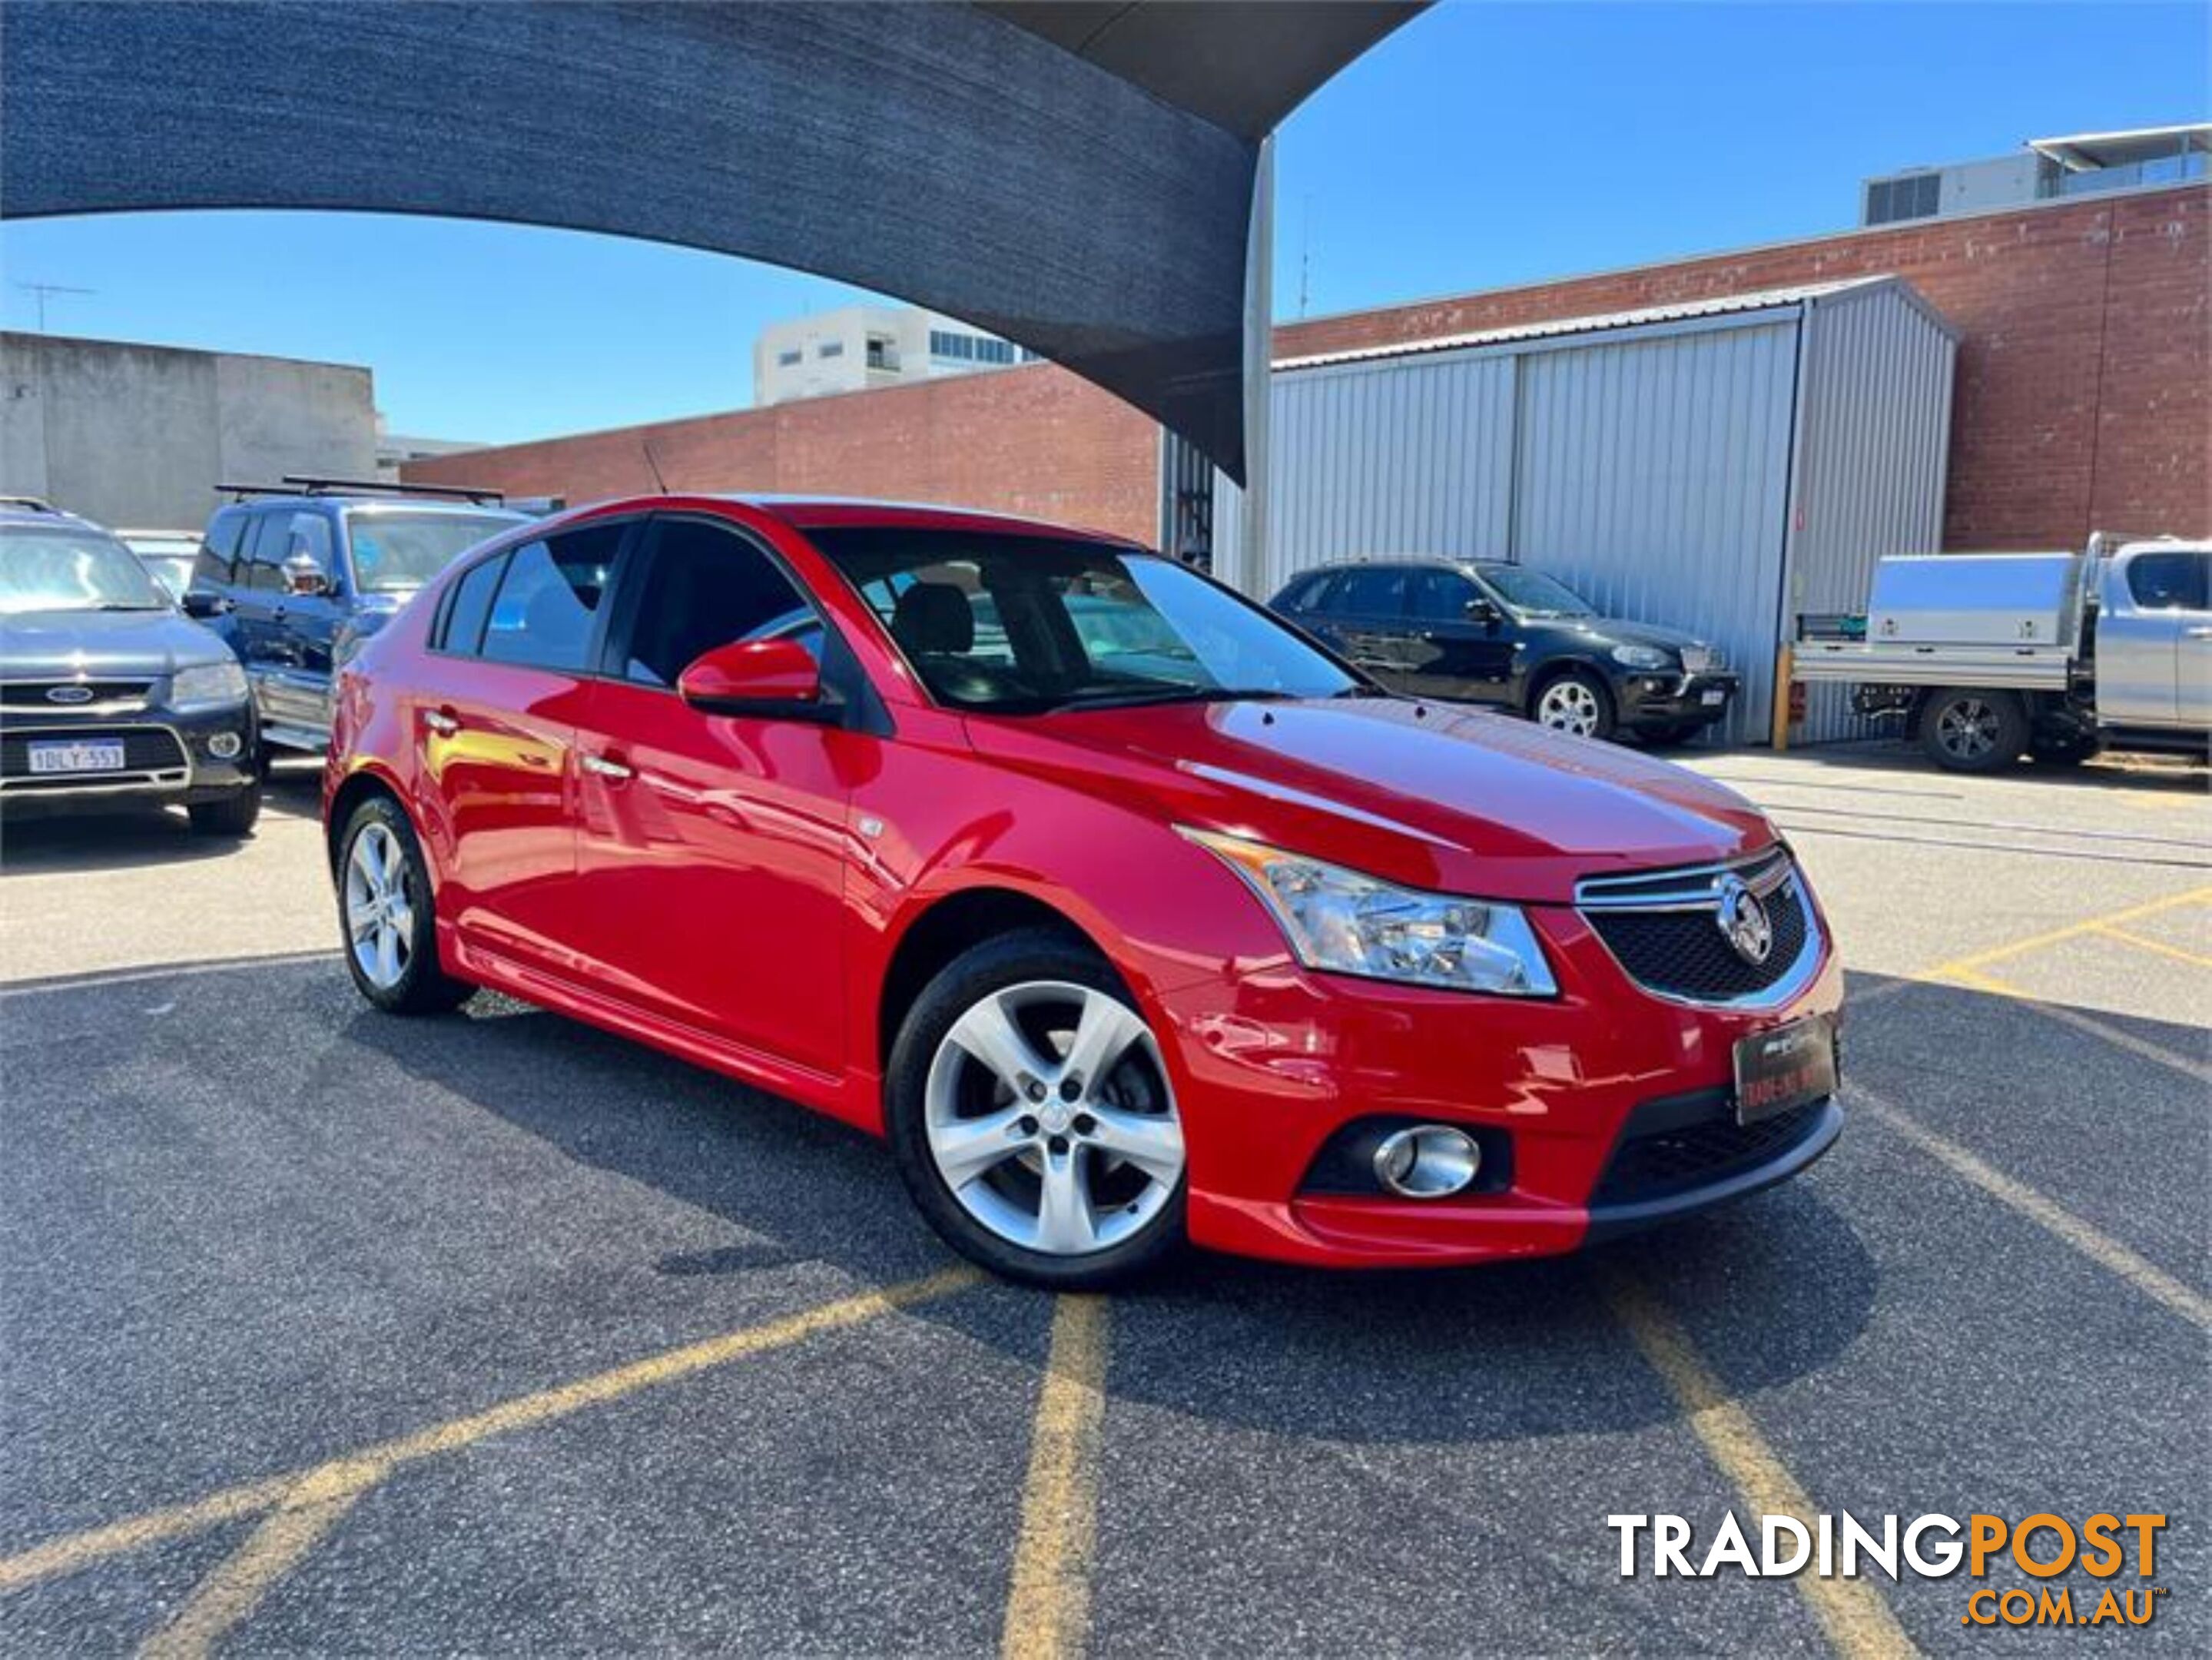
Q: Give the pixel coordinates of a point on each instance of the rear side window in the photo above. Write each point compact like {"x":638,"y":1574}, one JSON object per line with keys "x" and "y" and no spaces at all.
{"x":1371,"y":591}
{"x":549,"y":599}
{"x":2168,"y":581}
{"x":472,"y":608}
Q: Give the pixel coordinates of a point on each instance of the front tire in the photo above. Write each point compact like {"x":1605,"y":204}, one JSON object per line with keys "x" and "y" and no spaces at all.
{"x":386,"y":915}
{"x":1031,"y":1118}
{"x":1966,"y":729}
{"x":1576,"y":701}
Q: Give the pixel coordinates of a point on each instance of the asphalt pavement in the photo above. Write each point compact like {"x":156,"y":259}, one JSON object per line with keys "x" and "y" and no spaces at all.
{"x":322,"y":1332}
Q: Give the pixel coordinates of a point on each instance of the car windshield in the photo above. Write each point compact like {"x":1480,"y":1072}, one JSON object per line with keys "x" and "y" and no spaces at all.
{"x":1018,"y":625}
{"x":173,"y":571}
{"x":394,"y":552}
{"x":1534,"y":594}
{"x":60,"y":567}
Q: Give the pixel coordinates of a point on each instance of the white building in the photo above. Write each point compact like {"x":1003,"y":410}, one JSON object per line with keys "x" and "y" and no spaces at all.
{"x":859,"y":347}
{"x":2046,"y":167}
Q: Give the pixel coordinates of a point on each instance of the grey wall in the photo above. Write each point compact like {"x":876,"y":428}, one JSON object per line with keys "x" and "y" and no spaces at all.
{"x":130,"y":435}
{"x":1719,"y":474}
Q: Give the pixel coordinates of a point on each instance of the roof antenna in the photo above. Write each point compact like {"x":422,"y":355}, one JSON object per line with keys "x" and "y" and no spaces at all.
{"x":659,"y":483}
{"x":1305,"y":251}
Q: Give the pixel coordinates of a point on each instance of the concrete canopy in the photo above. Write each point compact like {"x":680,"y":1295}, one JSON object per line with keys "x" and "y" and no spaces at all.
{"x":1077,"y":177}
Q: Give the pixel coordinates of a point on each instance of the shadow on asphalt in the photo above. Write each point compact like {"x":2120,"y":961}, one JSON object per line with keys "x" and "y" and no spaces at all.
{"x":50,"y":842}
{"x":1440,"y":1354}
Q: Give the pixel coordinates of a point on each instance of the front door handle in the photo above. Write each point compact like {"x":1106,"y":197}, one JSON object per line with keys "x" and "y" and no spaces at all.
{"x":607,"y":768}
{"x":440,"y":722}
{"x":2198,"y":634}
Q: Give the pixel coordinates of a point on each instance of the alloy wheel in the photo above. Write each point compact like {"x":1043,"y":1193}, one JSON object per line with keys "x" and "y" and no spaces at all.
{"x":1967,"y":728}
{"x":1568,"y":706}
{"x":1048,"y":1116}
{"x":379,"y":918}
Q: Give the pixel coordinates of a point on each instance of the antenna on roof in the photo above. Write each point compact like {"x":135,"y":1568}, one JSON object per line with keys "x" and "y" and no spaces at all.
{"x":659,"y":483}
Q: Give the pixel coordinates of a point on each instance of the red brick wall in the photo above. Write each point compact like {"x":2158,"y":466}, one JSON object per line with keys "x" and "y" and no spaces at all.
{"x":2084,"y":397}
{"x":1033,"y":441}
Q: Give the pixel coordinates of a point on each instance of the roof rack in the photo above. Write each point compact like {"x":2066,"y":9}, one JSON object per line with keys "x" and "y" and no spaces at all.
{"x":301,"y":483}
{"x":28,"y":503}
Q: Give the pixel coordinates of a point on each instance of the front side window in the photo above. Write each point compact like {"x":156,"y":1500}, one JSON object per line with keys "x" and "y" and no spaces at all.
{"x":705,"y":588}
{"x":1442,"y":595}
{"x":1018,"y":625}
{"x":397,"y":551}
{"x":549,"y":599}
{"x":2168,"y":581}
{"x":1531,"y":594}
{"x":63,"y":567}
{"x":266,"y":548}
{"x":309,"y":534}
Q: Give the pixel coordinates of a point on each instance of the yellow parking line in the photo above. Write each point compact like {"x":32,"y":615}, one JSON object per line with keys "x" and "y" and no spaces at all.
{"x":235,"y":1588}
{"x":79,"y":1550}
{"x":2100,"y":1248}
{"x":1049,"y":1607}
{"x":2111,"y":1034}
{"x":2144,"y":942}
{"x":1857,"y":1622}
{"x":2072,"y":931}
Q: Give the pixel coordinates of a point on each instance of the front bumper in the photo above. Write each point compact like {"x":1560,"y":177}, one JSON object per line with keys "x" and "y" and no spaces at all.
{"x":1671,"y":700}
{"x":1270,"y":1066}
{"x":169,"y":759}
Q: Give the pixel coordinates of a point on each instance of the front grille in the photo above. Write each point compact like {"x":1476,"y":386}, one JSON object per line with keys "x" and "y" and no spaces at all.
{"x":1664,"y":929}
{"x":146,"y":750}
{"x":1658,"y":1162}
{"x":104,"y":696}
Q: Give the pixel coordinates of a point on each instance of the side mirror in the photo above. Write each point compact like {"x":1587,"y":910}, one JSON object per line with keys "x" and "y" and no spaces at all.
{"x":304,"y":578}
{"x":773,"y":679}
{"x":1481,"y":610}
{"x":205,"y":606}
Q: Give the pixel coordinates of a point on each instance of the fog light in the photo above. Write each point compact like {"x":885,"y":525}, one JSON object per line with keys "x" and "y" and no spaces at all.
{"x":1430,"y":1161}
{"x":225,"y":746}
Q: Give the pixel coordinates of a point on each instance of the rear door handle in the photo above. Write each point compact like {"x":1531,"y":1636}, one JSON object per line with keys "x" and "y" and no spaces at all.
{"x":440,"y":722}
{"x":2198,"y":634}
{"x":606,"y":767}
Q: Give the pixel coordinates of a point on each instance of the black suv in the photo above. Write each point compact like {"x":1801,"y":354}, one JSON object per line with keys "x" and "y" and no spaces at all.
{"x":108,"y":696}
{"x":1482,"y":631}
{"x":295,"y":576}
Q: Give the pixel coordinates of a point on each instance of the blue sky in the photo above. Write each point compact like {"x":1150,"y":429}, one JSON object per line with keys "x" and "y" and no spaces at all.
{"x":1483,"y":144}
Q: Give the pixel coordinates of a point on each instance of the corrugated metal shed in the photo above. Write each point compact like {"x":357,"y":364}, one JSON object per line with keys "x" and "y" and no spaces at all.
{"x":1719,"y":466}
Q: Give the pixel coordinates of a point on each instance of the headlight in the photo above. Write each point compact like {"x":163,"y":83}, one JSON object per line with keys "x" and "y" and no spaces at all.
{"x":1642,"y":656}
{"x":207,"y":686}
{"x":1340,"y":920}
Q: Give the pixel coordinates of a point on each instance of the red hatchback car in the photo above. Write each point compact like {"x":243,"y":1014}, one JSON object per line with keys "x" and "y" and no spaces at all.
{"x":1125,"y":911}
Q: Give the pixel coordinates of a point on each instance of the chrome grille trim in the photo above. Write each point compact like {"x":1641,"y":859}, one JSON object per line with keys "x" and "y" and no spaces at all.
{"x":1768,"y":873}
{"x":113,"y":695}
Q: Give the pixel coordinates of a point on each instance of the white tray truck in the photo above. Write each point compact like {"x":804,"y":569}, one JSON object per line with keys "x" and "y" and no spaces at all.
{"x":1987,"y":657}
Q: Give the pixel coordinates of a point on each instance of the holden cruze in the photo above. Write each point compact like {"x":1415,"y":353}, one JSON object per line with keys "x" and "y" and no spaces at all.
{"x":1126,"y":913}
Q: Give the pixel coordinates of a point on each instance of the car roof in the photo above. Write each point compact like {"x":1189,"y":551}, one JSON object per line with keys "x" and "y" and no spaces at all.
{"x":805,"y":513}
{"x":1422,"y":560}
{"x":47,"y":519}
{"x":371,"y":503}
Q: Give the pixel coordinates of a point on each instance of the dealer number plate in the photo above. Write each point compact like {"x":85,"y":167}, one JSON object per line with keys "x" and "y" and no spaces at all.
{"x":1784,"y":1067}
{"x":76,"y":757}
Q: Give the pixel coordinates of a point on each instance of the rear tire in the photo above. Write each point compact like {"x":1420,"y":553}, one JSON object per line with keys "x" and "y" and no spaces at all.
{"x":387,"y":922}
{"x":1966,"y":729}
{"x":980,"y":1144}
{"x":1576,"y":701}
{"x":234,"y":814}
